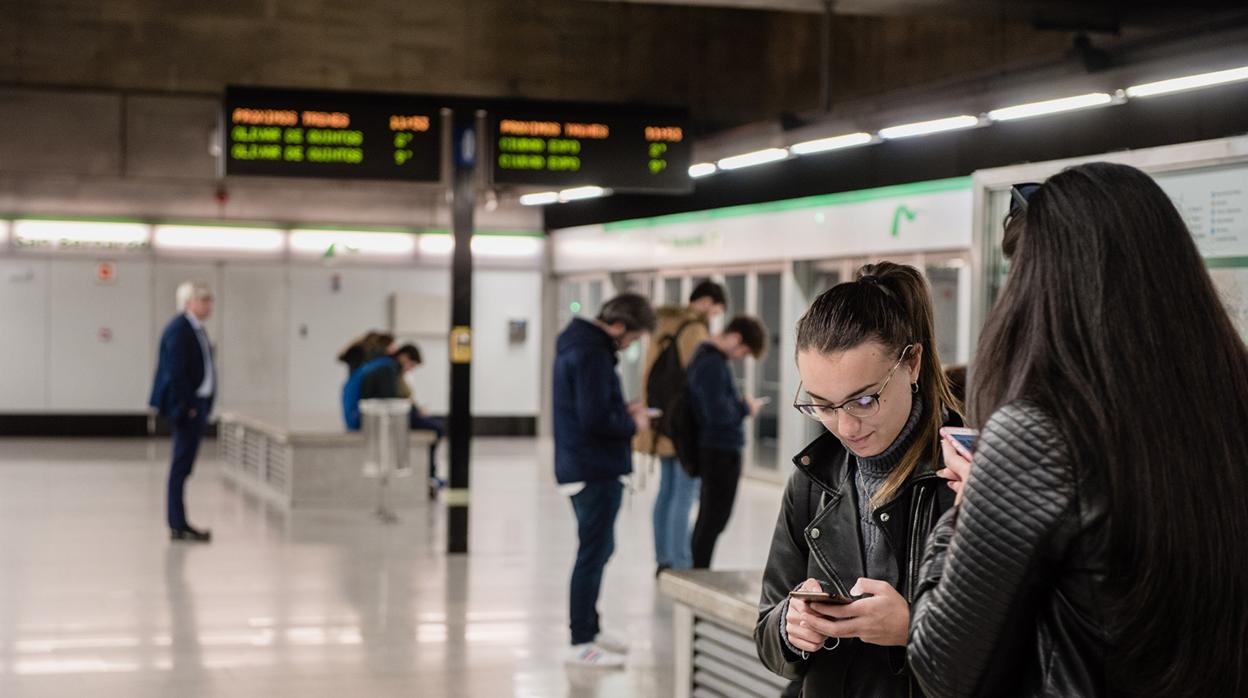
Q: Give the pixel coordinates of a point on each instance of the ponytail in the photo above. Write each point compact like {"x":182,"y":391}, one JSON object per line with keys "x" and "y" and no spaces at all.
{"x":887,"y":303}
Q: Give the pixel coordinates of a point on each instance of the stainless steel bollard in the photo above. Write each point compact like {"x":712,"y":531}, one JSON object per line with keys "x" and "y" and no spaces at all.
{"x":386,"y":428}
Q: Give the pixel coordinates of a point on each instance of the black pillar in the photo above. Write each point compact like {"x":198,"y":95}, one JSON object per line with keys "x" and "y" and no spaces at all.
{"x":459,"y":430}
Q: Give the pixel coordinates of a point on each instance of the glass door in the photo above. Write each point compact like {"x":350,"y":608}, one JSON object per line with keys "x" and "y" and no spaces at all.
{"x":823,"y":276}
{"x":766,"y":378}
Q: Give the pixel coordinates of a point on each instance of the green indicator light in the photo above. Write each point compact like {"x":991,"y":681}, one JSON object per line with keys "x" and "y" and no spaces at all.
{"x":575,"y":307}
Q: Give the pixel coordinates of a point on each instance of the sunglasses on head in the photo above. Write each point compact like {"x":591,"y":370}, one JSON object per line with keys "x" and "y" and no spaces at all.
{"x":1020,"y":194}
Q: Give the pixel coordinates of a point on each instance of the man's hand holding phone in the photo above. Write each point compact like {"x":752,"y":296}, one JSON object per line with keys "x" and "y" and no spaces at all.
{"x":640,"y":414}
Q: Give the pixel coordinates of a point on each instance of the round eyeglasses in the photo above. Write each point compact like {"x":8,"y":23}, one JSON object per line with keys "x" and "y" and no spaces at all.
{"x":861,"y":406}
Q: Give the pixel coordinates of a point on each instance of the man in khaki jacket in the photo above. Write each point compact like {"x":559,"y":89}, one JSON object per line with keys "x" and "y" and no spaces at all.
{"x":677,"y":489}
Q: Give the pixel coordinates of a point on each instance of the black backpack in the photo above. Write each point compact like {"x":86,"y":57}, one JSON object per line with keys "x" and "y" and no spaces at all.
{"x":679,"y":425}
{"x":666,"y":390}
{"x":667,"y":375}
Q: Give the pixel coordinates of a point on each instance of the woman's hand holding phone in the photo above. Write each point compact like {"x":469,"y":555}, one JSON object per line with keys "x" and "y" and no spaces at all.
{"x":806,"y":628}
{"x":957,"y":469}
{"x":880,"y":617}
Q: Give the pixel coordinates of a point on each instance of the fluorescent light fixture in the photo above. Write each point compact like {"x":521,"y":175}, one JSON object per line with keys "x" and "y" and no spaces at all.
{"x":1190,"y":82}
{"x":484,"y":245}
{"x":506,"y":246}
{"x":540,"y":198}
{"x":72,"y":233}
{"x":702,"y":169}
{"x":1050,"y":106}
{"x":436,"y":244}
{"x":758,"y":157}
{"x":318,"y":242}
{"x":579,"y":193}
{"x":822,"y":145}
{"x":923,"y":128}
{"x":208,"y":238}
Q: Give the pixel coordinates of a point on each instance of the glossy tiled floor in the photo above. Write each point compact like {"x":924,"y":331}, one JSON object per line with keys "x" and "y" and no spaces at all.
{"x":95,"y":601}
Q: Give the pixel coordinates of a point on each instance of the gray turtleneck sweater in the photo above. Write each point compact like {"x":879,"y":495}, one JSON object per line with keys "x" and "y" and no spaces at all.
{"x":878,"y":556}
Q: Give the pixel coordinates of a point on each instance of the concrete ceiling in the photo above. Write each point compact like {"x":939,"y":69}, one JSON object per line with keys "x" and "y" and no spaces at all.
{"x":1093,"y":15}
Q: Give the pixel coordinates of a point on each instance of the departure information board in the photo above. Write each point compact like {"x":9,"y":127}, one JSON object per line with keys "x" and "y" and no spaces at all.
{"x":356,"y":135}
{"x":619,"y":152}
{"x":341,"y":135}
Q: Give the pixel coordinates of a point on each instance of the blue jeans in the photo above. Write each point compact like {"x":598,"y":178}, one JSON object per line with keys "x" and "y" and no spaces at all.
{"x":596,"y":507}
{"x":677,"y":493}
{"x":187,"y":433}
{"x":417,"y":421}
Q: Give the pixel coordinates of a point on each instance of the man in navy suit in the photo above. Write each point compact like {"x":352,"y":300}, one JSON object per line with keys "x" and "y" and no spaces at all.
{"x":185,"y":386}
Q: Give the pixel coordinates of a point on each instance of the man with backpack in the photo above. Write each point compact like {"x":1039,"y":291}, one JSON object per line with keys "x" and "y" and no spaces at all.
{"x":718,"y":412}
{"x":679,"y":334}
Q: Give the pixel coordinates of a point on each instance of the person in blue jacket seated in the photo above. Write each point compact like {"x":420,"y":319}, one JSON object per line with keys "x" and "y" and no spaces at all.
{"x":378,"y":374}
{"x":183,"y":392}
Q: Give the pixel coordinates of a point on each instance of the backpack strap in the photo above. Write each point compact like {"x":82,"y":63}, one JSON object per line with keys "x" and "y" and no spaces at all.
{"x":669,"y":338}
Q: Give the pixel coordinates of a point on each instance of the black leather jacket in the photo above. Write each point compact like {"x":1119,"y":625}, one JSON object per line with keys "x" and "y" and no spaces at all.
{"x":817,"y":535}
{"x":1012,"y":594}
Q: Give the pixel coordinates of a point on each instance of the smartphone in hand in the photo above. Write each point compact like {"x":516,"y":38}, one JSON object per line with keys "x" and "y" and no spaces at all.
{"x":825,"y":597}
{"x":963,"y":440}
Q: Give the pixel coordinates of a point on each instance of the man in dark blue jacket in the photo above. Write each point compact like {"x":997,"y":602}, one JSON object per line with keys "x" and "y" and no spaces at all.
{"x":183,"y":393}
{"x":593,"y":432}
{"x":719,"y":412}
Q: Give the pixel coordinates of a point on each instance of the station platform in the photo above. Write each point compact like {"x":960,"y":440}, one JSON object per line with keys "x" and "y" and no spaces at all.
{"x":315,"y":603}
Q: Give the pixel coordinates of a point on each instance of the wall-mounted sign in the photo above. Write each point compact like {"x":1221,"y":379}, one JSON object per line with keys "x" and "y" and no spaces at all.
{"x":461,"y":344}
{"x":105,"y":273}
{"x":573,"y":148}
{"x":342,"y":135}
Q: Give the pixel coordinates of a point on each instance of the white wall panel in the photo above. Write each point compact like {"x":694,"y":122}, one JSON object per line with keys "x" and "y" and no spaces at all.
{"x":101,"y":345}
{"x":506,"y":377}
{"x":24,"y":335}
{"x":277,"y":330}
{"x":251,"y":346}
{"x":431,"y":384}
{"x":324,"y":315}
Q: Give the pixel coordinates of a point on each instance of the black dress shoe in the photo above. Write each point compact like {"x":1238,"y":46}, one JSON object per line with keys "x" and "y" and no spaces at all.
{"x":191,"y":535}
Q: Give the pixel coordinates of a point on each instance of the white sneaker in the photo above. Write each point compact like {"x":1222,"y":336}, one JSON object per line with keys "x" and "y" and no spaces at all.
{"x":590,"y":654}
{"x":612,"y":643}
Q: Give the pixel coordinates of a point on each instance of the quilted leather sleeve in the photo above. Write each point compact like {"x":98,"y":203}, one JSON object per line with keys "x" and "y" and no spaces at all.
{"x":982,"y":580}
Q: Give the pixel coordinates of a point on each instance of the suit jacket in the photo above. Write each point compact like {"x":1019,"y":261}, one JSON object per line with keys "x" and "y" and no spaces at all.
{"x":179,"y":371}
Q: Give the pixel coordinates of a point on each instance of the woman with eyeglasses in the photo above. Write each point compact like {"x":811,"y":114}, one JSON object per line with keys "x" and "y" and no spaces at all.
{"x":858,"y":509}
{"x":1098,"y":546}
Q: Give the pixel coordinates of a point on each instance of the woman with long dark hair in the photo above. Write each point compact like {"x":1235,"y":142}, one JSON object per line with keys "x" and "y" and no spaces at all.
{"x":1098,"y":547}
{"x":865,"y":495}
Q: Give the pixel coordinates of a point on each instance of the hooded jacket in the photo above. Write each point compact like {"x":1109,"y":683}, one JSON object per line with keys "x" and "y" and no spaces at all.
{"x":592,"y":424}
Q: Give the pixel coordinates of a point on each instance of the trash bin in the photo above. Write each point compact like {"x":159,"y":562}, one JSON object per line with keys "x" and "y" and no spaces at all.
{"x":386,"y":429}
